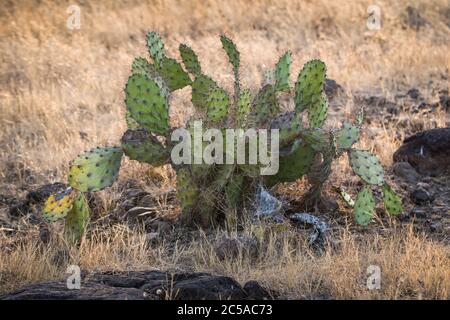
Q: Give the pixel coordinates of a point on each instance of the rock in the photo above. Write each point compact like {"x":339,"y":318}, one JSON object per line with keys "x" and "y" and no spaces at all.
{"x":231,"y":247}
{"x":405,"y":171}
{"x":421,"y":197}
{"x":413,"y":93}
{"x":140,"y":285}
{"x":254,"y":291}
{"x":427,"y":151}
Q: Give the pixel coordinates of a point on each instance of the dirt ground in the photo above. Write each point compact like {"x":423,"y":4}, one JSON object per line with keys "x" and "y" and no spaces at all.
{"x":61,"y":92}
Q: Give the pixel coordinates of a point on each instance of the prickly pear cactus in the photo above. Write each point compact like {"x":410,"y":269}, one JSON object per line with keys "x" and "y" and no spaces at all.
{"x":140,"y":145}
{"x":95,"y":169}
{"x":58,"y":205}
{"x":77,"y":219}
{"x":208,"y":192}
{"x":147,"y":102}
{"x":364,"y":206}
{"x":309,"y":85}
{"x":392,"y":202}
{"x":367,"y":166}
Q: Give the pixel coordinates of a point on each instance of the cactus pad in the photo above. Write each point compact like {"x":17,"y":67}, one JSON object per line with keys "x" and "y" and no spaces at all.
{"x":293,"y":165}
{"x":140,"y":66}
{"x":309,"y":85}
{"x":392,"y":202}
{"x":201,"y":88}
{"x":155,"y":47}
{"x":317,"y":114}
{"x":96,"y":169}
{"x":140,"y":145}
{"x":77,"y":219}
{"x":367,"y":166}
{"x":265,"y":104}
{"x":289,"y":125}
{"x":187,"y":192}
{"x":364,"y":208}
{"x":232,"y":52}
{"x":131,"y":123}
{"x":282,"y":72}
{"x":147,"y":102}
{"x":190,"y":60}
{"x":346,"y":137}
{"x":58,"y":205}
{"x":218,"y":103}
{"x":173,"y":74}
{"x":243,"y":107}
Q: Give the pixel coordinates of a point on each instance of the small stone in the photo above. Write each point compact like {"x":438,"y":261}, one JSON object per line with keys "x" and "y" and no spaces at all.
{"x":405,"y":171}
{"x":421,"y":197}
{"x":255,"y":291}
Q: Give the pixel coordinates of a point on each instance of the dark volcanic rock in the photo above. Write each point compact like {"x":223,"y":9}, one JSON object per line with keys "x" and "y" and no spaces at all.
{"x":420,"y":197}
{"x":405,"y":171}
{"x":255,"y":291}
{"x":427,"y":151}
{"x":141,"y":285}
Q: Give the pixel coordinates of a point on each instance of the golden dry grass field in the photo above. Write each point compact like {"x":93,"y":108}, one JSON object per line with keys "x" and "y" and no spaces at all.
{"x":61,"y":92}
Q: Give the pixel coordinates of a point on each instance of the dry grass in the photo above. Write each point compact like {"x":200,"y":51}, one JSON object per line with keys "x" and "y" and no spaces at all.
{"x":61,"y":93}
{"x":412,"y":267}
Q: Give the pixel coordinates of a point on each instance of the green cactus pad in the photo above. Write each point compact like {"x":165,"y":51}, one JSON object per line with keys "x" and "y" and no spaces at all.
{"x":131,"y":123}
{"x":265,"y":104}
{"x":392,"y":202}
{"x":147,"y":102}
{"x":187,"y":191}
{"x":243,"y":107}
{"x":140,"y":66}
{"x":289,"y":125}
{"x":317,"y":114}
{"x":201,"y":89}
{"x":364,"y":208}
{"x":190,"y":60}
{"x":282,"y":72}
{"x":294,"y":164}
{"x":309,"y":85}
{"x":77,"y":219}
{"x":96,"y":169}
{"x":155,"y":47}
{"x":367,"y":166}
{"x":319,"y":140}
{"x":173,"y":74}
{"x":57,"y":206}
{"x":231,"y":50}
{"x":218,"y":104}
{"x":346,"y":137}
{"x":140,"y":145}
{"x":269,"y":77}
